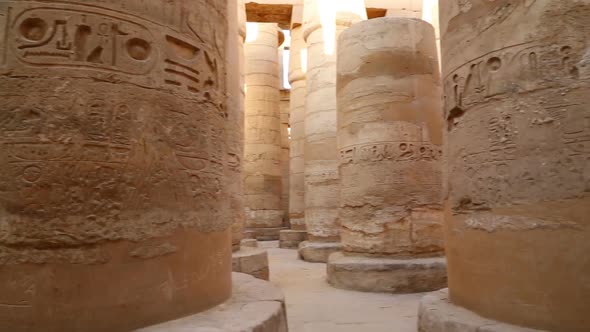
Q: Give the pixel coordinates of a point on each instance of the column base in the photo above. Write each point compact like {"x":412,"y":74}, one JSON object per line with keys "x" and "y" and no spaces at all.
{"x":252,"y":261}
{"x":369,"y":274}
{"x":317,"y":252}
{"x":437,"y":314}
{"x":255,"y":305}
{"x":290,"y":239}
{"x":251,"y":243}
{"x":263,"y":234}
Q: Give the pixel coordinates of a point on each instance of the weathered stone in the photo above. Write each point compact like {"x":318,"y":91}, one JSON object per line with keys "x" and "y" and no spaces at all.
{"x":517,"y":160}
{"x":262,"y":171}
{"x":255,"y":305}
{"x":389,"y":139}
{"x":371,"y":274}
{"x":252,"y":243}
{"x":438,"y":314}
{"x":285,"y":144}
{"x":264,"y":234}
{"x":252,"y":261}
{"x":320,"y":151}
{"x":114,"y":212}
{"x":235,"y":115}
{"x":290,"y":239}
{"x":296,"y":121}
{"x":317,"y":252}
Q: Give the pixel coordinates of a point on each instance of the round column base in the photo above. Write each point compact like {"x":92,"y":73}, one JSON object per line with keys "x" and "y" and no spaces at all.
{"x":252,"y":261}
{"x":290,"y":239}
{"x":369,"y":274}
{"x":255,"y":305}
{"x":318,"y":252}
{"x":263,"y":234}
{"x":437,"y":314}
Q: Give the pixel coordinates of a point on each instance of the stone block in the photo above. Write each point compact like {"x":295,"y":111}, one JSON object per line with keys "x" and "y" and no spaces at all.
{"x":390,"y":275}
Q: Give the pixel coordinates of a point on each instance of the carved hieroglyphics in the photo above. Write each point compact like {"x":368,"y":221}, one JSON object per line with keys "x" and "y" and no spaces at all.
{"x":284,"y":114}
{"x":390,"y":142}
{"x":516,"y":85}
{"x":113,"y":206}
{"x":323,"y":21}
{"x":298,"y":59}
{"x":262,"y":151}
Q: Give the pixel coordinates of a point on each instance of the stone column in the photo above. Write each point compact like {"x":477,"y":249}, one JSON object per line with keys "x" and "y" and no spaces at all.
{"x":284,"y":113}
{"x":292,"y":237}
{"x":390,"y":142}
{"x":114,"y":213}
{"x":262,"y":169}
{"x":235,"y":115}
{"x":516,"y":80}
{"x":323,"y":23}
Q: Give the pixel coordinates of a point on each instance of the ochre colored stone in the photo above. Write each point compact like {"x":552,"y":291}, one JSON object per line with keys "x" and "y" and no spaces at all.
{"x":262,"y":168}
{"x":252,"y":261}
{"x":320,"y":148}
{"x":389,"y":139}
{"x":114,"y":211}
{"x":517,"y":81}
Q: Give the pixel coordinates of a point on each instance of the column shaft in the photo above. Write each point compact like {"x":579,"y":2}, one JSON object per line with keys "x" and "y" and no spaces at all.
{"x":262,"y":169}
{"x":114,"y":212}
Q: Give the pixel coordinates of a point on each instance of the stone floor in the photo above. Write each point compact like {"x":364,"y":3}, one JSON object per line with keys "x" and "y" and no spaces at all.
{"x":314,"y":306}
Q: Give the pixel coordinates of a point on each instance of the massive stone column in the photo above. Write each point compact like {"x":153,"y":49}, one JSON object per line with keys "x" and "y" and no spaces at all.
{"x":114,"y":212}
{"x":517,"y":80}
{"x":245,"y":259}
{"x":292,"y":237}
{"x":323,"y":22}
{"x":235,"y":115}
{"x":262,"y":169}
{"x":284,"y":113}
{"x":390,"y":144}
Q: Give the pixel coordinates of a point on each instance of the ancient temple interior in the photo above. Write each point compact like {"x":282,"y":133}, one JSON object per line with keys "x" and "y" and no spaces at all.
{"x":295,"y":165}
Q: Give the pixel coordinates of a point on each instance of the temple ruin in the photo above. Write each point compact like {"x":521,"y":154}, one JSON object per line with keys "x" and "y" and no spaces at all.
{"x":295,"y":165}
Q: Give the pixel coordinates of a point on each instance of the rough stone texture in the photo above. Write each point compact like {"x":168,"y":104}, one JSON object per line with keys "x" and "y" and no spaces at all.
{"x":252,"y":243}
{"x":438,"y":314}
{"x":291,"y":239}
{"x":284,"y":111}
{"x":262,"y":169}
{"x":317,"y":252}
{"x":517,"y":78}
{"x":113,"y":209}
{"x":252,"y":261}
{"x":370,"y":274}
{"x":235,"y":115}
{"x":389,"y":139}
{"x":296,"y":121}
{"x":255,"y":306}
{"x":264,"y":234}
{"x":320,"y":149}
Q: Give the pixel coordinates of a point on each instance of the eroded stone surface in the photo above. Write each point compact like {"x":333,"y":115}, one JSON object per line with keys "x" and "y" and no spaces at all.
{"x":252,"y":261}
{"x":317,"y":252}
{"x":114,"y":211}
{"x":389,"y":138}
{"x":438,"y":314}
{"x":255,"y":305}
{"x":290,"y":239}
{"x":296,"y":122}
{"x":262,"y":169}
{"x":320,"y":151}
{"x":370,"y":274}
{"x":516,"y":86}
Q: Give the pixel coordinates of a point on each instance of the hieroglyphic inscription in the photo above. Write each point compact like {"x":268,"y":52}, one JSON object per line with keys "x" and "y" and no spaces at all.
{"x":79,"y":38}
{"x":515,"y":69}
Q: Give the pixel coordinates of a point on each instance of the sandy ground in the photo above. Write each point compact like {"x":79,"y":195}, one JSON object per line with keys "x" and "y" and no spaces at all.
{"x":315,"y":306}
